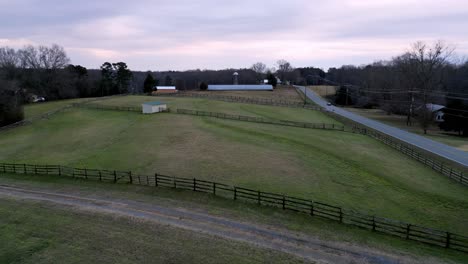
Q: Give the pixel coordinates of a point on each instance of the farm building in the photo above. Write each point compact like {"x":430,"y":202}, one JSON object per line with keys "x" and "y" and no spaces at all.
{"x":165,"y":89}
{"x":153,"y":107}
{"x":437,"y":111}
{"x":240,"y":87}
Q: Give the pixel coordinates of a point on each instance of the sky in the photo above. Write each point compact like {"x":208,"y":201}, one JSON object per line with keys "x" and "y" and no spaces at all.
{"x":216,"y":34}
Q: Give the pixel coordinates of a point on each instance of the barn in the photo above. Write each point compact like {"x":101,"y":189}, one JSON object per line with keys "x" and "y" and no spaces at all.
{"x":165,"y":89}
{"x":153,"y":107}
{"x":239,"y":87}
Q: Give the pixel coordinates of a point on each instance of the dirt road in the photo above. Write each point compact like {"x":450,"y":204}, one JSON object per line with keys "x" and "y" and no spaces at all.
{"x":307,"y":247}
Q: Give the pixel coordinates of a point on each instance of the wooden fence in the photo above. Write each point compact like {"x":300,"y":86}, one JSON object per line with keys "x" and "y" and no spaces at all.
{"x":246,"y":100}
{"x":109,"y":107}
{"x":263,"y":120}
{"x":406,"y":148}
{"x":313,"y":208}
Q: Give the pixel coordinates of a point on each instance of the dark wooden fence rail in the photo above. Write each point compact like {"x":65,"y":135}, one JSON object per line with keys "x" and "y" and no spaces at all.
{"x":313,"y":208}
{"x":109,"y":107}
{"x":246,"y":100}
{"x":447,"y":170}
{"x":262,"y":120}
{"x":441,"y":167}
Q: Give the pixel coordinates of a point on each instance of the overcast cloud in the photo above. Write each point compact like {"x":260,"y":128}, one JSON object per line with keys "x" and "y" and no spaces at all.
{"x":182,"y":34}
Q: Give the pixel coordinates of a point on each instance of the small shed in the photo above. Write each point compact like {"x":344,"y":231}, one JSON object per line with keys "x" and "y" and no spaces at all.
{"x":153,"y":107}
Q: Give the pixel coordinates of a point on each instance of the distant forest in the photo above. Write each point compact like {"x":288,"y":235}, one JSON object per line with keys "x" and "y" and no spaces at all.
{"x":425,"y":74}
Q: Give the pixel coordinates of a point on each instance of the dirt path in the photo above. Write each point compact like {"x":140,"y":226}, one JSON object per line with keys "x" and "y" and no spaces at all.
{"x":267,"y":237}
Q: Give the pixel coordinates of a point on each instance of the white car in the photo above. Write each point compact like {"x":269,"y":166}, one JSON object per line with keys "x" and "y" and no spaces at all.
{"x":39,"y":99}
{"x":329,"y":104}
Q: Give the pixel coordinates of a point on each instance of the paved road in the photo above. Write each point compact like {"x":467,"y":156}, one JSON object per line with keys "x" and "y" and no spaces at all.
{"x":442,"y":150}
{"x":300,"y":245}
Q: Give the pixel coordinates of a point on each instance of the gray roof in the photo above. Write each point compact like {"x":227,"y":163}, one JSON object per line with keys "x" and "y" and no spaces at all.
{"x":217,"y":87}
{"x":434,"y":107}
{"x":154,"y":103}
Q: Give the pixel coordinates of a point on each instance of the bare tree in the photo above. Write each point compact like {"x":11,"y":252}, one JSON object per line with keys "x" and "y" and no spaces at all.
{"x":284,"y":67}
{"x":29,"y":57}
{"x":43,"y":57}
{"x":424,"y":67}
{"x":9,"y":62}
{"x":8,"y":57}
{"x":260,"y":69}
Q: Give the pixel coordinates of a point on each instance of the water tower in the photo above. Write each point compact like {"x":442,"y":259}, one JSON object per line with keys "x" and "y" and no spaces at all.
{"x":235,"y":79}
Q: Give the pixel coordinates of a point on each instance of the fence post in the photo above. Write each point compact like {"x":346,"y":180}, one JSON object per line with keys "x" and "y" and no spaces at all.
{"x":214,"y":188}
{"x":175,"y":183}
{"x":115,"y":177}
{"x":194,"y":184}
{"x":130,"y":177}
{"x":447,"y":242}
{"x":235,"y":193}
{"x":59,"y":170}
{"x":35,"y":169}
{"x":408,"y":226}
{"x":156,"y":180}
{"x":373,"y":223}
{"x":284,"y":202}
{"x":311,"y":208}
{"x":24,"y":168}
{"x":259,"y":197}
{"x":100,"y":175}
{"x":86,"y":174}
{"x":341,"y":215}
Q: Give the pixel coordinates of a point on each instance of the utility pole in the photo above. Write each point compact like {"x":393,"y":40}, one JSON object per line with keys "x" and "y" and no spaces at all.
{"x":305,"y":95}
{"x":347,"y":95}
{"x":410,"y":110}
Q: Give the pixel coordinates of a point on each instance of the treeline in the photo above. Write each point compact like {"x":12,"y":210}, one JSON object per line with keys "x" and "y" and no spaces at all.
{"x":44,"y":73}
{"x":256,"y":74}
{"x":408,"y":85}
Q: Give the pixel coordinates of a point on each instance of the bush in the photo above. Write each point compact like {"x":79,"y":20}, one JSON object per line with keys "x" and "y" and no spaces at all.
{"x":203,"y":86}
{"x":11,"y":108}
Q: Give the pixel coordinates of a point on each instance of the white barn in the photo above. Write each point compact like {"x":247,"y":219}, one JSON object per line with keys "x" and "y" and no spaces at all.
{"x":240,"y":87}
{"x":153,"y":107}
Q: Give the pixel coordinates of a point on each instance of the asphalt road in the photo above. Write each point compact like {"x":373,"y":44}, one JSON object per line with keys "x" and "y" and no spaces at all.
{"x":442,"y":150}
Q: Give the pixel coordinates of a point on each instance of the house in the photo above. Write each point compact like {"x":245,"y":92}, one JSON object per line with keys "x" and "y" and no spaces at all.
{"x":153,"y":107}
{"x":240,"y":87}
{"x":165,"y":89}
{"x":437,"y":111}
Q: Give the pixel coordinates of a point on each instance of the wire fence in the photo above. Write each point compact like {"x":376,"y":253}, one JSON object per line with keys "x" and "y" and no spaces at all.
{"x":313,"y":208}
{"x":262,"y":120}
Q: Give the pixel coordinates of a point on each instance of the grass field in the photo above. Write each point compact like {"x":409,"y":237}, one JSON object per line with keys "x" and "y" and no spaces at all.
{"x":346,"y":169}
{"x":47,"y":231}
{"x":42,"y":233}
{"x":279,"y":113}
{"x":37,"y":109}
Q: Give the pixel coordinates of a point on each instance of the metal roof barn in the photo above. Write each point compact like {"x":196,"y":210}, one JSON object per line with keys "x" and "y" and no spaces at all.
{"x":252,"y":87}
{"x":165,"y":87}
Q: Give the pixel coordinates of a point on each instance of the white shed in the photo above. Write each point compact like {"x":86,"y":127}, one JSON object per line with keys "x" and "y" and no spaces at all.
{"x":153,"y":107}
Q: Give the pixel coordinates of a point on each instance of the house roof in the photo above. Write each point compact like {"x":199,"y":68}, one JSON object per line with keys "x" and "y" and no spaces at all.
{"x":165,"y":87}
{"x":154,"y":103}
{"x":434,"y":107}
{"x":240,"y":87}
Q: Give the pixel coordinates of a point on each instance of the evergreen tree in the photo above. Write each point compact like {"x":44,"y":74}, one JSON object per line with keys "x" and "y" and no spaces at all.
{"x":149,"y":83}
